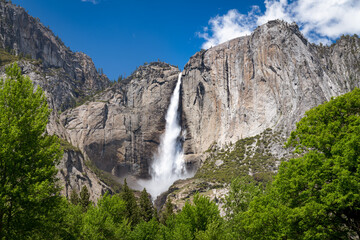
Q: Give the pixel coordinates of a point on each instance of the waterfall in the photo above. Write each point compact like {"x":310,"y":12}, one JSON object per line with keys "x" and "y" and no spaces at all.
{"x":168,"y":165}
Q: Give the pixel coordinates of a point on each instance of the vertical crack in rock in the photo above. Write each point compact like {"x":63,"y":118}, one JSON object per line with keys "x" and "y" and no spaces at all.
{"x":226,"y":71}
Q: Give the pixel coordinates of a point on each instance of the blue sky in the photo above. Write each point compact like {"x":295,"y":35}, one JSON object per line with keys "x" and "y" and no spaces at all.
{"x":121,"y":35}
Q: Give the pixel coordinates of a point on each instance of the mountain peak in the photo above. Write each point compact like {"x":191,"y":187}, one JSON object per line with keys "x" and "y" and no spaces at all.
{"x":25,"y":35}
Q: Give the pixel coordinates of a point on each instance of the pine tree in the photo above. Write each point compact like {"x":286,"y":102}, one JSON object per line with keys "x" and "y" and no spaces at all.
{"x":146,"y":207}
{"x":74,"y":197}
{"x":168,"y":211}
{"x":132,"y":209}
{"x":28,"y":189}
{"x":85,"y":198}
{"x":156,"y":215}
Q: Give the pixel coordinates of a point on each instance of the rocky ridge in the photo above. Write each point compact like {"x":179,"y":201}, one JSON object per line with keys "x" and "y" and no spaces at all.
{"x":119,"y":130}
{"x":66,"y":78}
{"x":66,"y":75}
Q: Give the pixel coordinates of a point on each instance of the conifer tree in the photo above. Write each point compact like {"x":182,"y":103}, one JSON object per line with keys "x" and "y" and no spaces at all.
{"x":146,"y":207}
{"x":168,"y":211}
{"x":132,"y":209}
{"x":74,"y":197}
{"x":84,"y":198}
{"x":156,"y":215}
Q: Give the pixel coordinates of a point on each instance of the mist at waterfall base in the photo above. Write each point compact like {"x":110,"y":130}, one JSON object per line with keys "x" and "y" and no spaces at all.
{"x":168,"y":164}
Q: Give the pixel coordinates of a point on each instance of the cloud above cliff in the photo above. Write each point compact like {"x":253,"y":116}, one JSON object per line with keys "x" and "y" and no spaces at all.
{"x":231,"y":25}
{"x":320,"y":21}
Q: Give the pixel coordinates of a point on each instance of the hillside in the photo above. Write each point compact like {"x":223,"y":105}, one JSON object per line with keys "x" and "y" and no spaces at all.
{"x":66,"y":77}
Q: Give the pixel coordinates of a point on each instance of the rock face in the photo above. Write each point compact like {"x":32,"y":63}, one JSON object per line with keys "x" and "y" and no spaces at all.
{"x":74,"y":174}
{"x":255,"y":88}
{"x":120,"y":130}
{"x":232,"y":91}
{"x":65,"y":76}
{"x":265,"y":80}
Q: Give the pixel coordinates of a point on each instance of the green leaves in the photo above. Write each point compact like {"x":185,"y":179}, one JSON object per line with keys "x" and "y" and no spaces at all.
{"x":242,"y":191}
{"x":316,"y":196}
{"x":197,"y":219}
{"x":146,"y":207}
{"x":84,"y":199}
{"x":28,"y":190}
{"x":325,"y":127}
{"x":107,"y":221}
{"x":132,"y":209}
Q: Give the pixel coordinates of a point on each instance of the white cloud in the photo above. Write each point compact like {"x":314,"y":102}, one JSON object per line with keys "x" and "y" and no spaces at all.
{"x":319,"y":20}
{"x":92,"y":1}
{"x":275,"y":10}
{"x":229,"y":26}
{"x":328,"y":18}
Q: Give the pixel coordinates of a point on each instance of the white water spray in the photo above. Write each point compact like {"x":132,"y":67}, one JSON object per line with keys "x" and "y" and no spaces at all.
{"x":168,"y":165}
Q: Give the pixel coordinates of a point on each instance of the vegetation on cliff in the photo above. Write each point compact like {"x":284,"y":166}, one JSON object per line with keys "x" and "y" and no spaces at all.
{"x":250,"y":155}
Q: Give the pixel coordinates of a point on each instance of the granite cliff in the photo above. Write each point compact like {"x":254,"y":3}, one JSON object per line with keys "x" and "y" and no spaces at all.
{"x":66,"y":77}
{"x":119,"y":130}
{"x":239,"y":102}
{"x":241,"y":99}
{"x":266,"y":80}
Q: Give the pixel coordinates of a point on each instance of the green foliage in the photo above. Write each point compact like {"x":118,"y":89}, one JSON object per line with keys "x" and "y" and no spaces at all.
{"x":168,"y":211}
{"x":84,"y":200}
{"x":6,"y":57}
{"x":107,"y":220}
{"x":246,"y":155}
{"x":330,"y":128}
{"x":68,"y":222}
{"x":214,"y":231}
{"x":200,"y":214}
{"x":195,"y":219}
{"x":146,"y":230}
{"x":28,"y":192}
{"x":316,"y":196}
{"x":66,"y":146}
{"x":115,"y":206}
{"x":132,"y":209}
{"x":328,"y":175}
{"x":120,"y":78}
{"x":242,"y":191}
{"x":74,"y":198}
{"x":102,"y":222}
{"x":146,"y":207}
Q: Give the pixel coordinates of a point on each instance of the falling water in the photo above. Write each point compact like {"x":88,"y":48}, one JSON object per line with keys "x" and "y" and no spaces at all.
{"x":168,"y":165}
